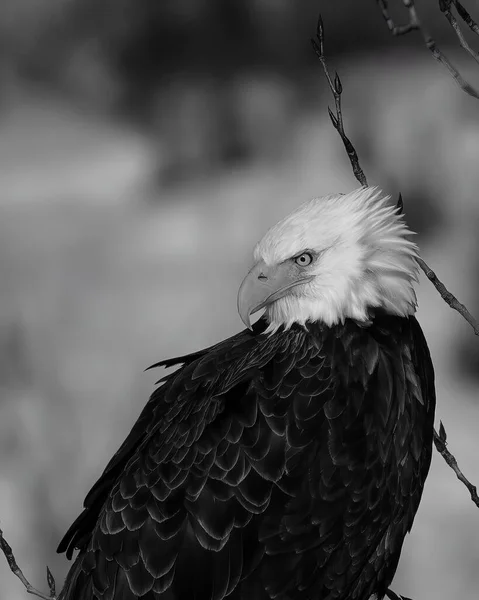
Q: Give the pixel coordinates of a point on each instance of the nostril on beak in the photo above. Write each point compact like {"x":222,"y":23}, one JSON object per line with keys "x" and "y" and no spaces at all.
{"x":262,"y":277}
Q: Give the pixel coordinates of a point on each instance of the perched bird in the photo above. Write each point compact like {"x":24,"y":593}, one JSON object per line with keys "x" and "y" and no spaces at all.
{"x":289,"y":460}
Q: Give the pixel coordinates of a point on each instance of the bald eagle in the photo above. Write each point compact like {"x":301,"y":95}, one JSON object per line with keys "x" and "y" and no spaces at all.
{"x":289,"y":460}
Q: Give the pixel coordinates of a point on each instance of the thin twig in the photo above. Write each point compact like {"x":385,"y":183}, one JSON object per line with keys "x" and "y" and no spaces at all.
{"x":445,"y":6}
{"x":416,"y":24}
{"x":466,"y":17}
{"x":337,"y":89}
{"x":12,"y":563}
{"x":398,"y":29}
{"x":446,"y":295}
{"x":440,"y":441}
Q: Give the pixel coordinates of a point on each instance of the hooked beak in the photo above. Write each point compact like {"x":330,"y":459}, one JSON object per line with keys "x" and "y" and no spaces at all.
{"x":263,"y":285}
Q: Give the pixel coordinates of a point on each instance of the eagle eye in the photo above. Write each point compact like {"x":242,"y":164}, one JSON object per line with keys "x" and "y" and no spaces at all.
{"x":303,"y":260}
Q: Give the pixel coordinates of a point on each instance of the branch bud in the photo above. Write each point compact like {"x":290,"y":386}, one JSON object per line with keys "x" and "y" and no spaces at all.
{"x":316,"y":48}
{"x":333,"y":118}
{"x":51,"y":583}
{"x":338,"y":85}
{"x":442,"y":433}
{"x":320,"y":34}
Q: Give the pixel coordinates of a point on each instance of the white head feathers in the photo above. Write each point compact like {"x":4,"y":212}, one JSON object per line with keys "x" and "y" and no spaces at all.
{"x":362,"y":259}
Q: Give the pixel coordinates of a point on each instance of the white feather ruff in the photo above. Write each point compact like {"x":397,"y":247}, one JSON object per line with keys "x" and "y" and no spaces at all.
{"x":365,"y":259}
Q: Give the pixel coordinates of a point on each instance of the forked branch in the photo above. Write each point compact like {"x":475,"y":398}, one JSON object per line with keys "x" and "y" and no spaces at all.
{"x":440,"y":441}
{"x":12,"y":563}
{"x":445,"y":6}
{"x":399,"y":29}
{"x":415,"y":23}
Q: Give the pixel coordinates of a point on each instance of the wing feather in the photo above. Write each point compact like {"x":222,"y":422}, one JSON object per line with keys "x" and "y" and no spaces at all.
{"x":281,"y":465}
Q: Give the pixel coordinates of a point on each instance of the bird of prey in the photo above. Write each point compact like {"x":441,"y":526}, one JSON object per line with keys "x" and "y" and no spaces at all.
{"x":288,"y":461}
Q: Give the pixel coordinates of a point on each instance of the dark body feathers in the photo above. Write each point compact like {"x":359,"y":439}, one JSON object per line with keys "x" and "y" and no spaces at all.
{"x":284,"y":466}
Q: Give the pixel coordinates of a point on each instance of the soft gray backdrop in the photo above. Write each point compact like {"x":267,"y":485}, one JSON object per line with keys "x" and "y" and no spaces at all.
{"x":144,"y":148}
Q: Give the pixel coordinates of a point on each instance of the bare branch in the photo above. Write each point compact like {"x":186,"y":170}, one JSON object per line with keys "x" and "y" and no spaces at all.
{"x":446,"y":295}
{"x":440,"y":57}
{"x":416,"y":24}
{"x":440,"y":441}
{"x":445,"y":6}
{"x":337,"y":89}
{"x":398,"y":29}
{"x":466,"y":17}
{"x":12,"y":563}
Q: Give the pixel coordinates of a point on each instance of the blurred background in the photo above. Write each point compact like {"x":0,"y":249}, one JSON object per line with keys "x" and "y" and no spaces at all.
{"x":145,"y":146}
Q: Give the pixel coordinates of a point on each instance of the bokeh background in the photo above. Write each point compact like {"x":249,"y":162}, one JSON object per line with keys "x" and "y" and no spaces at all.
{"x":145,"y":146}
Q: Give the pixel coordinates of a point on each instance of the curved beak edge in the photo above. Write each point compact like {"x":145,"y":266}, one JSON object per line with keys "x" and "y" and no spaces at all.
{"x":263,"y":285}
{"x":252,"y":296}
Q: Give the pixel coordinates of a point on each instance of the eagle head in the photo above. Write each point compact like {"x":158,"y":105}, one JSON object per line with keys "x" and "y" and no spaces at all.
{"x":333,"y":258}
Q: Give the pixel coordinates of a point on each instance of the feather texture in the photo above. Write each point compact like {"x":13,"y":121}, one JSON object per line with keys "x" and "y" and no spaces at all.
{"x":283,"y":465}
{"x":364,"y":259}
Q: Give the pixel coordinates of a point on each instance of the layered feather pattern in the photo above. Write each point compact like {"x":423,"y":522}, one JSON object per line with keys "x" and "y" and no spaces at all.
{"x":282,"y":466}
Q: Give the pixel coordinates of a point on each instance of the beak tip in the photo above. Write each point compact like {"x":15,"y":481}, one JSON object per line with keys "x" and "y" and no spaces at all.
{"x":251,"y":296}
{"x":246,"y":320}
